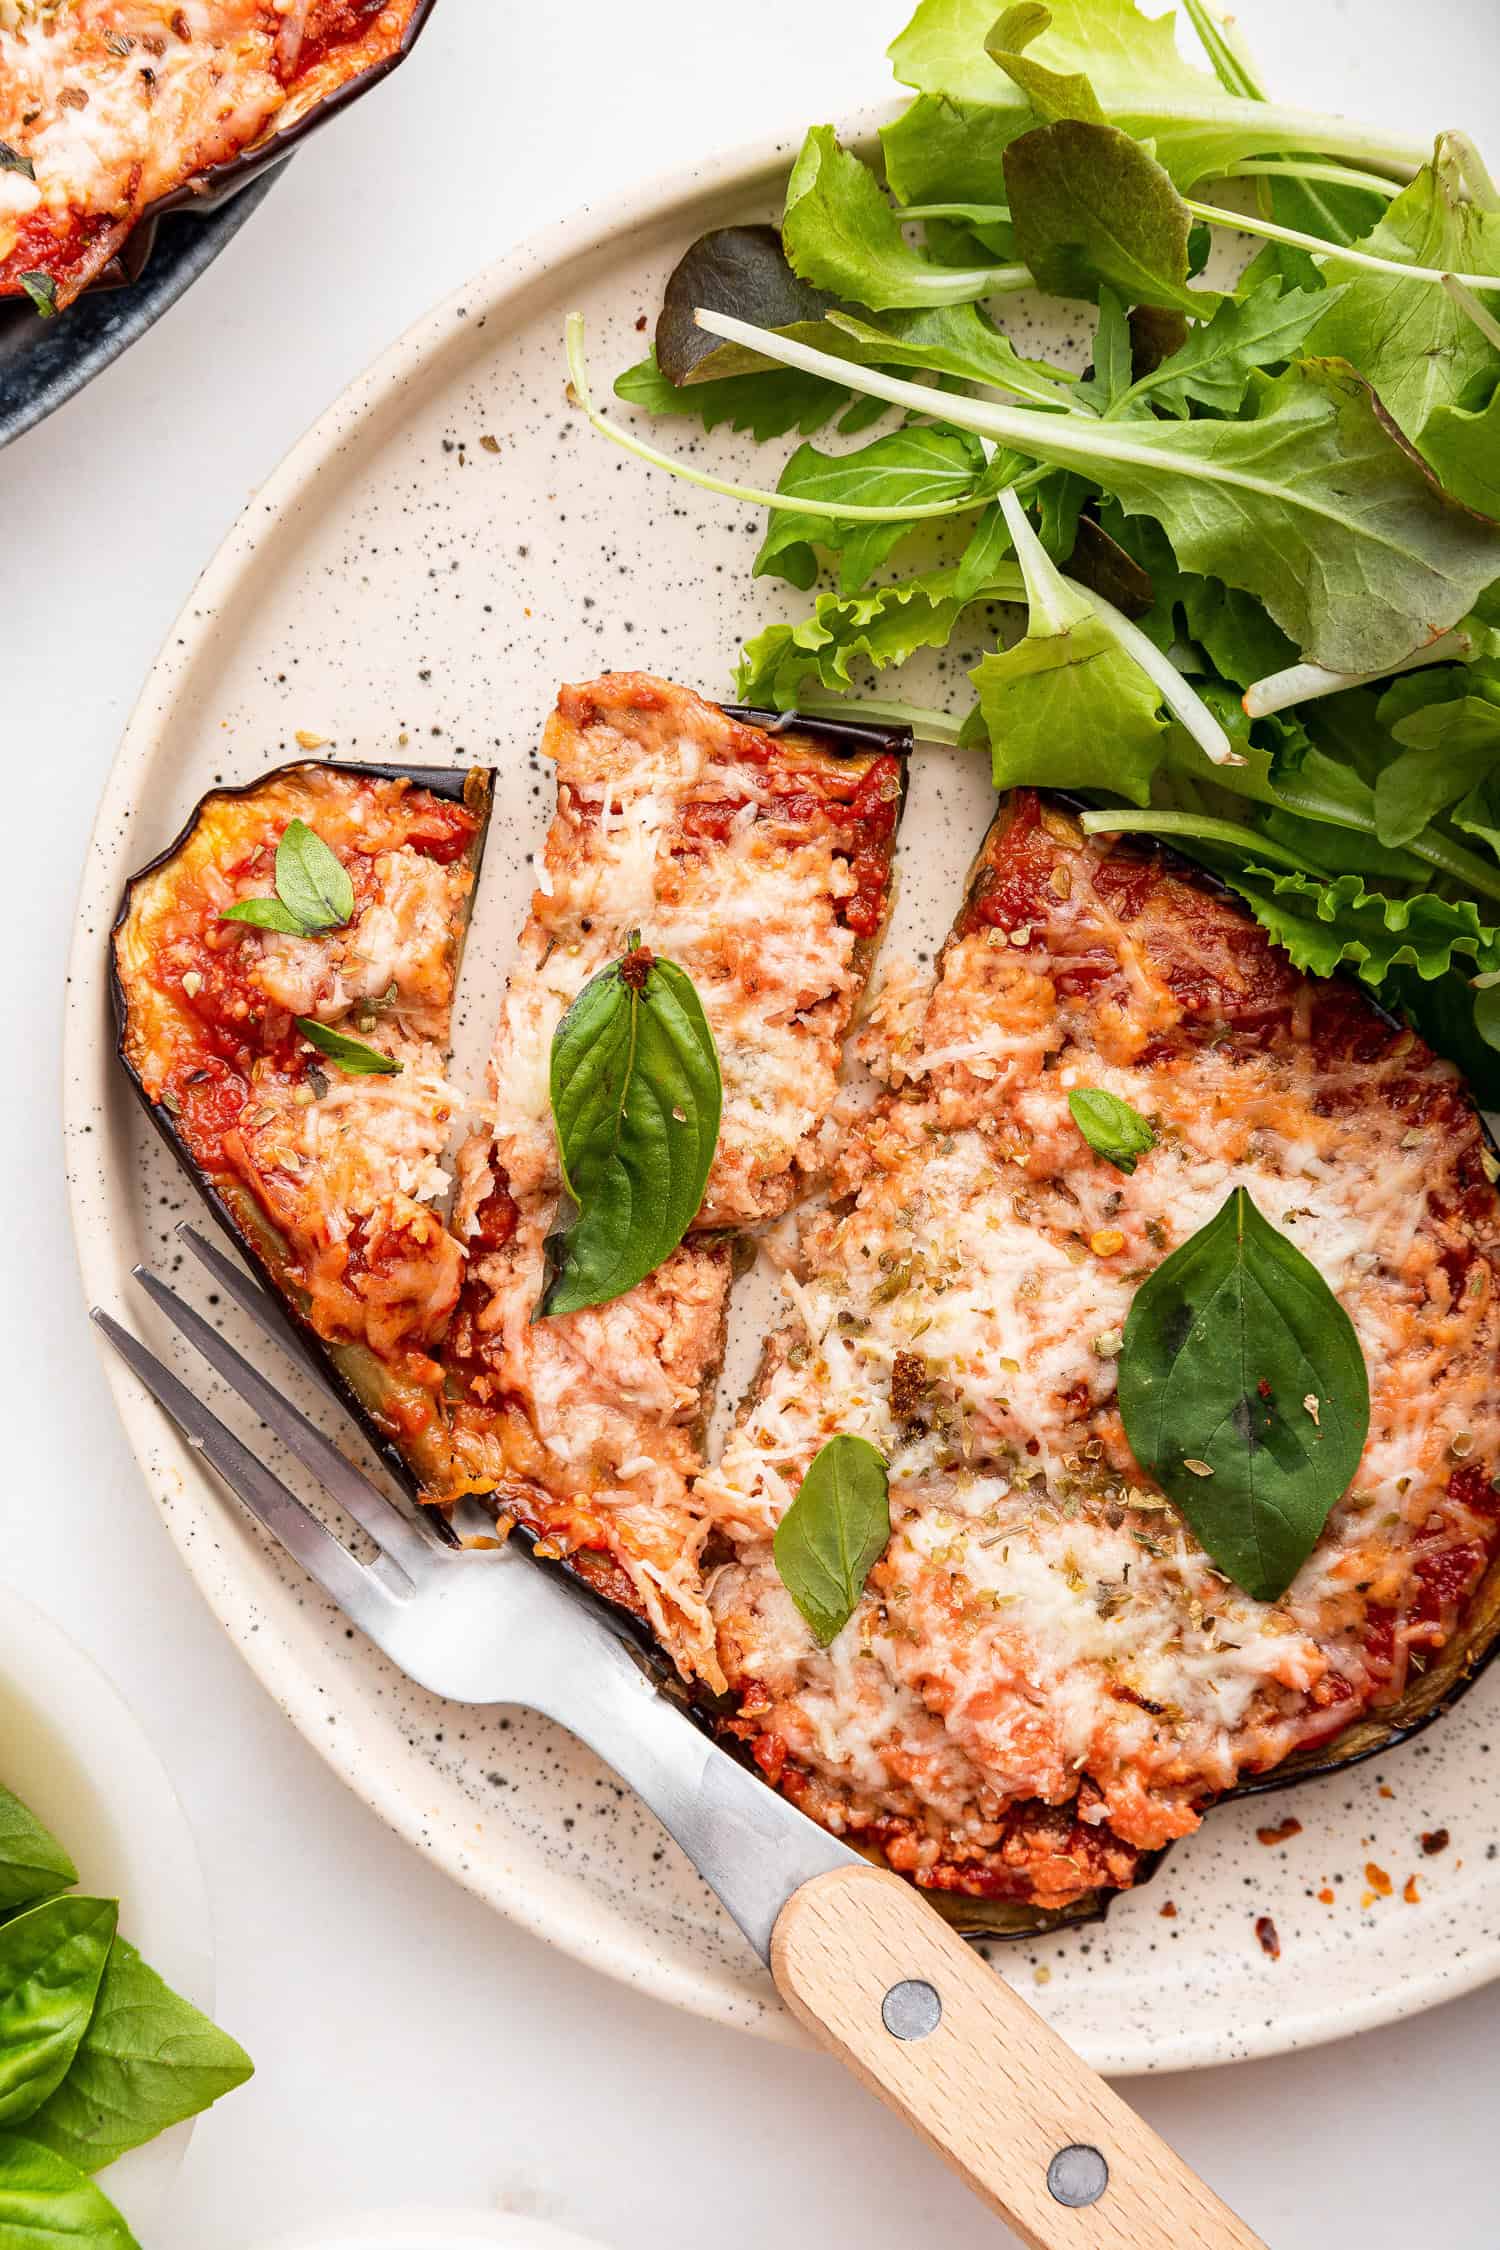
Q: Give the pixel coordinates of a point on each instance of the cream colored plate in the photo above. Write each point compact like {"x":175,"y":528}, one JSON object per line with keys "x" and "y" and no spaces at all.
{"x":407,"y":592}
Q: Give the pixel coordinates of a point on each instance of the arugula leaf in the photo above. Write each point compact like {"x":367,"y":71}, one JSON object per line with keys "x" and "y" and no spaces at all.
{"x":1323,"y":924}
{"x":33,"y":1864}
{"x":768,"y":403}
{"x":884,"y":627}
{"x":840,"y":233}
{"x":350,"y":1055}
{"x":47,"y":2204}
{"x":1066,"y":707}
{"x":636,"y":1096}
{"x":1213,"y":366}
{"x":913,"y":467}
{"x":1311,"y":502}
{"x":51,"y":1960}
{"x":1244,"y":1392}
{"x":834,"y":1533}
{"x":1090,"y":206}
{"x":1111,"y":1127}
{"x":42,"y":290}
{"x":1449,"y":749}
{"x":147,"y":2060}
{"x":959,"y":340}
{"x":1417,"y":348}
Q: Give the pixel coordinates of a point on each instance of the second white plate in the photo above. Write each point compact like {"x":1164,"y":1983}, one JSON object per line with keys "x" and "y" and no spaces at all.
{"x":408,"y":591}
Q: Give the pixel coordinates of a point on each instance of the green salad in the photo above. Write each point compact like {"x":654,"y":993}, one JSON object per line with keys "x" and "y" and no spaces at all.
{"x":97,"y":2054}
{"x":1236,"y":582}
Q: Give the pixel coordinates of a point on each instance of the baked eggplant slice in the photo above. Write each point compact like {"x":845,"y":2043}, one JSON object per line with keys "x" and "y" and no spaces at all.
{"x":319,"y":1150}
{"x":755,"y":853}
{"x":1046,"y":1680}
{"x":182,"y":113}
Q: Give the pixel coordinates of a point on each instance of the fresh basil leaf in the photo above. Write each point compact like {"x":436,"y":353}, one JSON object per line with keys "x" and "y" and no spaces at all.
{"x":266,"y":914}
{"x":1243,"y":1391}
{"x":350,"y":1055}
{"x":883,"y":627}
{"x":1111,"y":1127}
{"x":636,"y":1096}
{"x":42,"y":290}
{"x":51,"y":1960}
{"x":1066,"y":706}
{"x":147,"y":2060}
{"x":842,"y":235}
{"x":834,"y":1533}
{"x":311,"y":882}
{"x":1091,"y":208}
{"x":48,"y":2204}
{"x":915,"y":467}
{"x":33,"y":1864}
{"x":11,"y":160}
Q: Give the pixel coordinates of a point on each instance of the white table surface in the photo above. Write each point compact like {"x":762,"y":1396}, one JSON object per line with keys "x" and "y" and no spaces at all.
{"x":412,"y":2046}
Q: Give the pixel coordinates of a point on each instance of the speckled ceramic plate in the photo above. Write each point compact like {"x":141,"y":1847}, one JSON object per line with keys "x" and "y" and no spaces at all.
{"x":442,"y":549}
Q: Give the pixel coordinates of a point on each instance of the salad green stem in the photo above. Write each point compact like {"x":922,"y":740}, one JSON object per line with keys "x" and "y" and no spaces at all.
{"x":1208,"y":831}
{"x":1295,"y":168}
{"x":1466,"y":301}
{"x":1477,"y":177}
{"x":1247,"y":222}
{"x":1304,"y":683}
{"x":927,"y":726}
{"x":974,"y":214}
{"x":846,"y":511}
{"x":1232,"y":65}
{"x":1180,"y":697}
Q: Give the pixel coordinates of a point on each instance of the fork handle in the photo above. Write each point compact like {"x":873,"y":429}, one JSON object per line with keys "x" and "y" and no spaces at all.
{"x":862,"y":1960}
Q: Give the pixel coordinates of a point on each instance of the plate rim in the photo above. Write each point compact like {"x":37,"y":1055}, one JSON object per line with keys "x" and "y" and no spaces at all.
{"x":582,"y":234}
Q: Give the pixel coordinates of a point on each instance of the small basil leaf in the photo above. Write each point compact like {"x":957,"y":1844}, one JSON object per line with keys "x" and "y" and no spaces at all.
{"x":42,"y":290}
{"x":33,"y":1865}
{"x":1111,"y":1127}
{"x":11,"y":160}
{"x":48,"y":2204}
{"x":311,"y":882}
{"x":51,"y":1961}
{"x":351,"y":1055}
{"x":1244,"y":1393}
{"x":636,"y":1096}
{"x":834,"y":1533}
{"x":147,"y":2060}
{"x":266,"y":914}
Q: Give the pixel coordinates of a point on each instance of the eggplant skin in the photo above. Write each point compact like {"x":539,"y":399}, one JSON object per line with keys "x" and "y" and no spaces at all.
{"x":381,"y":1401}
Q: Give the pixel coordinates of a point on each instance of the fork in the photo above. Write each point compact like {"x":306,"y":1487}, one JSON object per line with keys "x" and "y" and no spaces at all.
{"x":860,"y":1959}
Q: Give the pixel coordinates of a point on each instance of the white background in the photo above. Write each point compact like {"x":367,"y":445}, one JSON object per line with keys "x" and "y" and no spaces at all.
{"x":411,"y":2046}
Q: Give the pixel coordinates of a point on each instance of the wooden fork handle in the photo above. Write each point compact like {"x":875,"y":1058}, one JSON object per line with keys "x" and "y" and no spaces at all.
{"x":865,"y":1964}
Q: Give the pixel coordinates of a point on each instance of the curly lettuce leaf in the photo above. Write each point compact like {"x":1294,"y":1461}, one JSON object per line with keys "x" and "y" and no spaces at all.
{"x":1323,"y":925}
{"x":883,"y":628}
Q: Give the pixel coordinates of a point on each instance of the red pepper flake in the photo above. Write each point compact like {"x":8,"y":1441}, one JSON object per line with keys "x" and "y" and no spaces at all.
{"x":1410,"y":1893}
{"x":1377,"y":1878}
{"x":1263,"y":1388}
{"x":1326,"y":1895}
{"x":1169,"y":1912}
{"x":1284,"y":1829}
{"x":1435,"y":1840}
{"x":1265,"y":1931}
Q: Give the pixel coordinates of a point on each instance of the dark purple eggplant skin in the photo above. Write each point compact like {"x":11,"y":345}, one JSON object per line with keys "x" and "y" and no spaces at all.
{"x":206,"y":190}
{"x":473,"y":786}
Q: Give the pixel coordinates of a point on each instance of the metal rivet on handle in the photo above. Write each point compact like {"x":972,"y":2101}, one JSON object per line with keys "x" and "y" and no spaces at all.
{"x":911,"y":2009}
{"x":1077,"y":2175}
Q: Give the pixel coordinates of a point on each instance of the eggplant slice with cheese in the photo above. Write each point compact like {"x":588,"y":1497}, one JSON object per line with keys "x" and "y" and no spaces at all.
{"x":1047,"y":1681}
{"x":330,"y":1180}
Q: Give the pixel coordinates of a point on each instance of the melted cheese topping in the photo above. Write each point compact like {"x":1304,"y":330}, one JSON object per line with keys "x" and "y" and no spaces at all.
{"x":1042,"y":1612}
{"x":113,"y":104}
{"x":729,"y":852}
